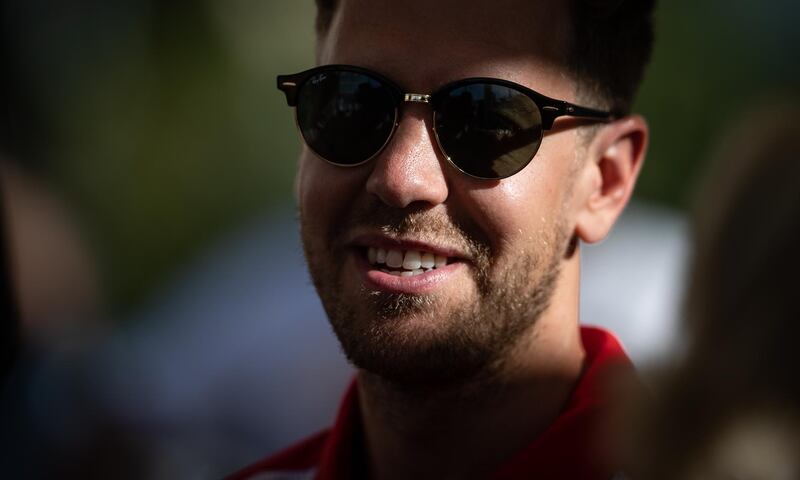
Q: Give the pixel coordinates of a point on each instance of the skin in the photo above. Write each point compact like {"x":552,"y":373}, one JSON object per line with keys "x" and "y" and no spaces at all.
{"x":522,"y":231}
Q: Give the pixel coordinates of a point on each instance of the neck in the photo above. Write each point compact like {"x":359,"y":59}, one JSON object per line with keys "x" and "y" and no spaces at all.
{"x":416,"y":433}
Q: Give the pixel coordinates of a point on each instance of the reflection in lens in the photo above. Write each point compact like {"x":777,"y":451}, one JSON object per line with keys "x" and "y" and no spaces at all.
{"x":488,"y":131}
{"x":345,"y":117}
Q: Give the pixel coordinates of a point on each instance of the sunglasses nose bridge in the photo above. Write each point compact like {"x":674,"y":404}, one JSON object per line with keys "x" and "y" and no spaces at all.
{"x":417,"y":98}
{"x":423,"y":98}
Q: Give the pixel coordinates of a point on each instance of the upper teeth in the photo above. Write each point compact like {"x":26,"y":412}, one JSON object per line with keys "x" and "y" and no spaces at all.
{"x":408,"y":260}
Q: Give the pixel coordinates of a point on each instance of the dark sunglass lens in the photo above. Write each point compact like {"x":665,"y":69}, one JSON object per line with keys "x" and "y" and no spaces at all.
{"x":345,"y":117}
{"x":487,"y":130}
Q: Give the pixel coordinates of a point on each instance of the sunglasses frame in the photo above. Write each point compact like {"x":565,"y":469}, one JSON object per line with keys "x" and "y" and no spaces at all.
{"x":549,"y":108}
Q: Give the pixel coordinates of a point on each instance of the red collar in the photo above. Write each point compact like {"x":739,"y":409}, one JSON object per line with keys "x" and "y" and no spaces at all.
{"x":565,"y":450}
{"x":570,"y":447}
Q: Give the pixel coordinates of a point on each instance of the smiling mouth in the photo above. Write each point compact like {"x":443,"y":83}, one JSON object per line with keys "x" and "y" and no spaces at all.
{"x":404,"y":263}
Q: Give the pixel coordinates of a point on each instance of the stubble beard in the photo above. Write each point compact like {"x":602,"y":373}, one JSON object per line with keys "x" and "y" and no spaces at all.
{"x":380,"y":332}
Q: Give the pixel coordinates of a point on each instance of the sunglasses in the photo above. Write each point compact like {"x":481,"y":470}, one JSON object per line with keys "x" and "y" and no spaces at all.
{"x":487,"y":128}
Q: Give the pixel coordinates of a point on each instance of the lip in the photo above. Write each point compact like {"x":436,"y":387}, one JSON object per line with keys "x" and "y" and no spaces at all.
{"x":375,"y":279}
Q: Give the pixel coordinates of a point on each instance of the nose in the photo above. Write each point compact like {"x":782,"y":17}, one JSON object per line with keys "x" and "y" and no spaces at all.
{"x":409,"y":169}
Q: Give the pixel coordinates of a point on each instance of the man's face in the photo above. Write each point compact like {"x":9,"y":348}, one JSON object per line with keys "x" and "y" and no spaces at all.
{"x":504,"y":239}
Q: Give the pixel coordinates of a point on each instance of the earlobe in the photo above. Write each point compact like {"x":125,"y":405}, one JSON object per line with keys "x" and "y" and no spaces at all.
{"x":615,"y":155}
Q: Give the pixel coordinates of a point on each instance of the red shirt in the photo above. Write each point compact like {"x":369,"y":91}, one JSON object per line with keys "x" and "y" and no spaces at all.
{"x":567,"y":449}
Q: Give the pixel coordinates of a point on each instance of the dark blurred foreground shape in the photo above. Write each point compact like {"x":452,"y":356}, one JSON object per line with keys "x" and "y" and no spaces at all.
{"x":731,"y":408}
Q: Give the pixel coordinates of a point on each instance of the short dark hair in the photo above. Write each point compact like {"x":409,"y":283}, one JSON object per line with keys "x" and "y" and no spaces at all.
{"x":611,"y":45}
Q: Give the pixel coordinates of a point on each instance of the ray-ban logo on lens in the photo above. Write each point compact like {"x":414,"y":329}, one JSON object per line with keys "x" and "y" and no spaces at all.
{"x":319,"y":78}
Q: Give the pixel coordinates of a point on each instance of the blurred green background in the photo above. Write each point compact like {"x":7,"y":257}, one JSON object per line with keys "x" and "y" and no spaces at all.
{"x":160,"y":125}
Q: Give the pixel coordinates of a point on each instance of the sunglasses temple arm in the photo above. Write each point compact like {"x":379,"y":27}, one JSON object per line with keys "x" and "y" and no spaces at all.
{"x":585,"y":112}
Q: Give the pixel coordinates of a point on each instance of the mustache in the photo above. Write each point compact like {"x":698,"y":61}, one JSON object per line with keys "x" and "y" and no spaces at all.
{"x":423,"y":223}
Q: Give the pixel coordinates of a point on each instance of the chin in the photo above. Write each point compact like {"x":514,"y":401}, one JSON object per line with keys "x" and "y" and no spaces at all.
{"x":410,"y":340}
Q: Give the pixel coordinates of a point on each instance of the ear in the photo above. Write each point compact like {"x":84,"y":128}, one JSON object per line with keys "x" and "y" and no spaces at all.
{"x":614,"y":158}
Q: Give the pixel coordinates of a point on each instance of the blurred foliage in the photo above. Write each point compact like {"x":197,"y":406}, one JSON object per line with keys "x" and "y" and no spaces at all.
{"x":169,"y":130}
{"x":712,"y":60}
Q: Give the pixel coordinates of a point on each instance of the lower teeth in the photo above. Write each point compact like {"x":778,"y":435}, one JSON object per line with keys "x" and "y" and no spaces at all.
{"x":406,"y":273}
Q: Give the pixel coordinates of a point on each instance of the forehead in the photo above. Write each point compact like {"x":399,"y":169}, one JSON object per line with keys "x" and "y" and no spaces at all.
{"x":422,"y":44}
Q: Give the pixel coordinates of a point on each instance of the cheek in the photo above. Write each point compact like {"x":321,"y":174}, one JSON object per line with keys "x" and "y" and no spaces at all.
{"x":324,"y":193}
{"x":518,"y":212}
{"x":307,"y":178}
{"x":313,"y":200}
